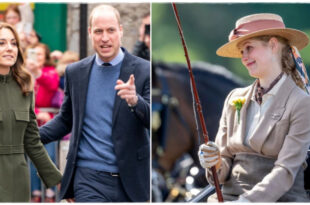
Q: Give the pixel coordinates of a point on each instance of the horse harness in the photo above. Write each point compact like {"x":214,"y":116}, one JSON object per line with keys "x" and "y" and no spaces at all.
{"x":164,"y":103}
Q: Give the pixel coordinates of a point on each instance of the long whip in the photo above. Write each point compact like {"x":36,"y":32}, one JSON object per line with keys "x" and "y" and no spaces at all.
{"x":197,"y":102}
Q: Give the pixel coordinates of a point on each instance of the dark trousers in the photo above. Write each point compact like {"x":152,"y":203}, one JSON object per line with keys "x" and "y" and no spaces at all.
{"x":98,"y":186}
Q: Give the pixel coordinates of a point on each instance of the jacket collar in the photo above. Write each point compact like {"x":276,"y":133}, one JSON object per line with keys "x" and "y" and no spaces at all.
{"x":272,"y":116}
{"x":127,"y":68}
{"x":83,"y":80}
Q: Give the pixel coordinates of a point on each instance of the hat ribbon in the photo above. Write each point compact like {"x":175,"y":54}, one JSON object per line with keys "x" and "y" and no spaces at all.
{"x":253,"y":26}
{"x":301,"y":68}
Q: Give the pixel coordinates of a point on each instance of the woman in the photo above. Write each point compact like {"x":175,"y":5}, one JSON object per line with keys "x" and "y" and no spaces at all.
{"x":41,"y":66}
{"x":20,"y":16}
{"x":12,"y":15}
{"x":264,"y":134}
{"x":46,"y":77}
{"x":18,"y":128}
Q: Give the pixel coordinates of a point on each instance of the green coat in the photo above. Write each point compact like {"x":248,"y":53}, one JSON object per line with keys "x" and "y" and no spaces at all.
{"x":18,"y":135}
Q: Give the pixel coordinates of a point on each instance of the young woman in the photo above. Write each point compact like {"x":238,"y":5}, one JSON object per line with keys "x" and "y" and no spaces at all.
{"x":264,"y":134}
{"x":18,"y":127}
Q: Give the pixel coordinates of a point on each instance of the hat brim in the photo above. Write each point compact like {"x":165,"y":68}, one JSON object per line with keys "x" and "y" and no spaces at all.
{"x":295,"y":37}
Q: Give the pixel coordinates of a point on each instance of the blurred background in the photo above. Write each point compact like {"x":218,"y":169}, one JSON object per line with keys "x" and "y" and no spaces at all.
{"x":177,"y":175}
{"x":206,"y":27}
{"x":63,"y":26}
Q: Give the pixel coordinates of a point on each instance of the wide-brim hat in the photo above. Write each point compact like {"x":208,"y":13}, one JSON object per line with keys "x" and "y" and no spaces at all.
{"x":260,"y":25}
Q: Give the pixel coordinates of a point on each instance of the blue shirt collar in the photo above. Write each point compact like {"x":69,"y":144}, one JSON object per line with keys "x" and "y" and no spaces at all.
{"x":119,"y":58}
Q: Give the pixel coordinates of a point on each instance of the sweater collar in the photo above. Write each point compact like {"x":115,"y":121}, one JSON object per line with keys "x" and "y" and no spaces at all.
{"x":118,"y":58}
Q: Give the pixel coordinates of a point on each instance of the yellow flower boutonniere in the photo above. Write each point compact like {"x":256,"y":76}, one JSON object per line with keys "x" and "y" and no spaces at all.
{"x":238,"y":103}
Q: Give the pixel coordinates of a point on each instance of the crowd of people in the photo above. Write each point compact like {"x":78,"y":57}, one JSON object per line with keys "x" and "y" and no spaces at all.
{"x":47,"y":70}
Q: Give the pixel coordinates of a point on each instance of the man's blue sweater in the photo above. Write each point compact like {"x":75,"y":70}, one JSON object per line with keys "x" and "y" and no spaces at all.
{"x":96,"y":149}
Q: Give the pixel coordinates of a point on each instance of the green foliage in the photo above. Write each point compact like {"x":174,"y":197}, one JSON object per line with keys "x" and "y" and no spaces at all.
{"x":305,"y":53}
{"x":206,"y":27}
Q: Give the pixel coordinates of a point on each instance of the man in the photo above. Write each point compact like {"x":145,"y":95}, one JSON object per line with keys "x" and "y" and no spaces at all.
{"x":108,"y":159}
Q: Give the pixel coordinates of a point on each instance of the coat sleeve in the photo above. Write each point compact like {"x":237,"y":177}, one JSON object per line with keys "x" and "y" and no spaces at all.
{"x":291,"y":156}
{"x":48,"y":172}
{"x":61,"y":124}
{"x":221,"y":141}
{"x":142,"y":109}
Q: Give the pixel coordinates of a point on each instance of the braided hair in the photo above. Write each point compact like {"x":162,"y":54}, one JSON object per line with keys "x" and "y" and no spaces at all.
{"x":287,"y":61}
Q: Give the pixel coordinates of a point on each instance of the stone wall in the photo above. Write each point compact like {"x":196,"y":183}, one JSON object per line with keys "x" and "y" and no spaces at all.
{"x":73,"y":27}
{"x":131,"y":16}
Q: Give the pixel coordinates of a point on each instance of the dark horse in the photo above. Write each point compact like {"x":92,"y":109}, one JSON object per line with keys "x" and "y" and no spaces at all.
{"x":174,"y":130}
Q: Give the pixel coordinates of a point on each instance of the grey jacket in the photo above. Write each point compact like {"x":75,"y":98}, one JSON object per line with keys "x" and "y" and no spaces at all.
{"x":283,"y":136}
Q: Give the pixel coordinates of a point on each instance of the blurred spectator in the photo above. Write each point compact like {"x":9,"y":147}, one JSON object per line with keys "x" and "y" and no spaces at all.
{"x":29,"y":40}
{"x":67,"y":58}
{"x":56,"y":55}
{"x":12,"y":15}
{"x":33,"y":37}
{"x":20,"y":16}
{"x":39,"y":63}
{"x":23,"y":41}
{"x":142,"y":46}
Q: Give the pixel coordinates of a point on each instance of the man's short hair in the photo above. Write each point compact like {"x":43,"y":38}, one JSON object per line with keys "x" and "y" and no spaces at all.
{"x":147,"y":14}
{"x":104,"y":7}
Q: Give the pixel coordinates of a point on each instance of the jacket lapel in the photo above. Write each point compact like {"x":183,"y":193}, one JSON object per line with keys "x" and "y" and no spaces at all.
{"x":272,"y":116}
{"x":239,"y":128}
{"x":83,"y":80}
{"x":127,"y":69}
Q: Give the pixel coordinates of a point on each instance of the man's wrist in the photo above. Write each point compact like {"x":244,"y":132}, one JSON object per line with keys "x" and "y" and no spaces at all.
{"x":134,"y":104}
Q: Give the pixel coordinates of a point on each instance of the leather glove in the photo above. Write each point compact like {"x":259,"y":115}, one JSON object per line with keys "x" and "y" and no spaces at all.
{"x":209,"y":155}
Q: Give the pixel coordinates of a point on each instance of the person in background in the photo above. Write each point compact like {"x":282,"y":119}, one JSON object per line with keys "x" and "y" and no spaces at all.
{"x":23,"y":41}
{"x":33,"y":38}
{"x":142,"y":46}
{"x":67,"y":58}
{"x":56,"y":55}
{"x":29,"y":40}
{"x":106,"y":105}
{"x":19,"y":133}
{"x":264,"y":134}
{"x":46,"y":84}
{"x":21,"y":17}
{"x":12,"y":15}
